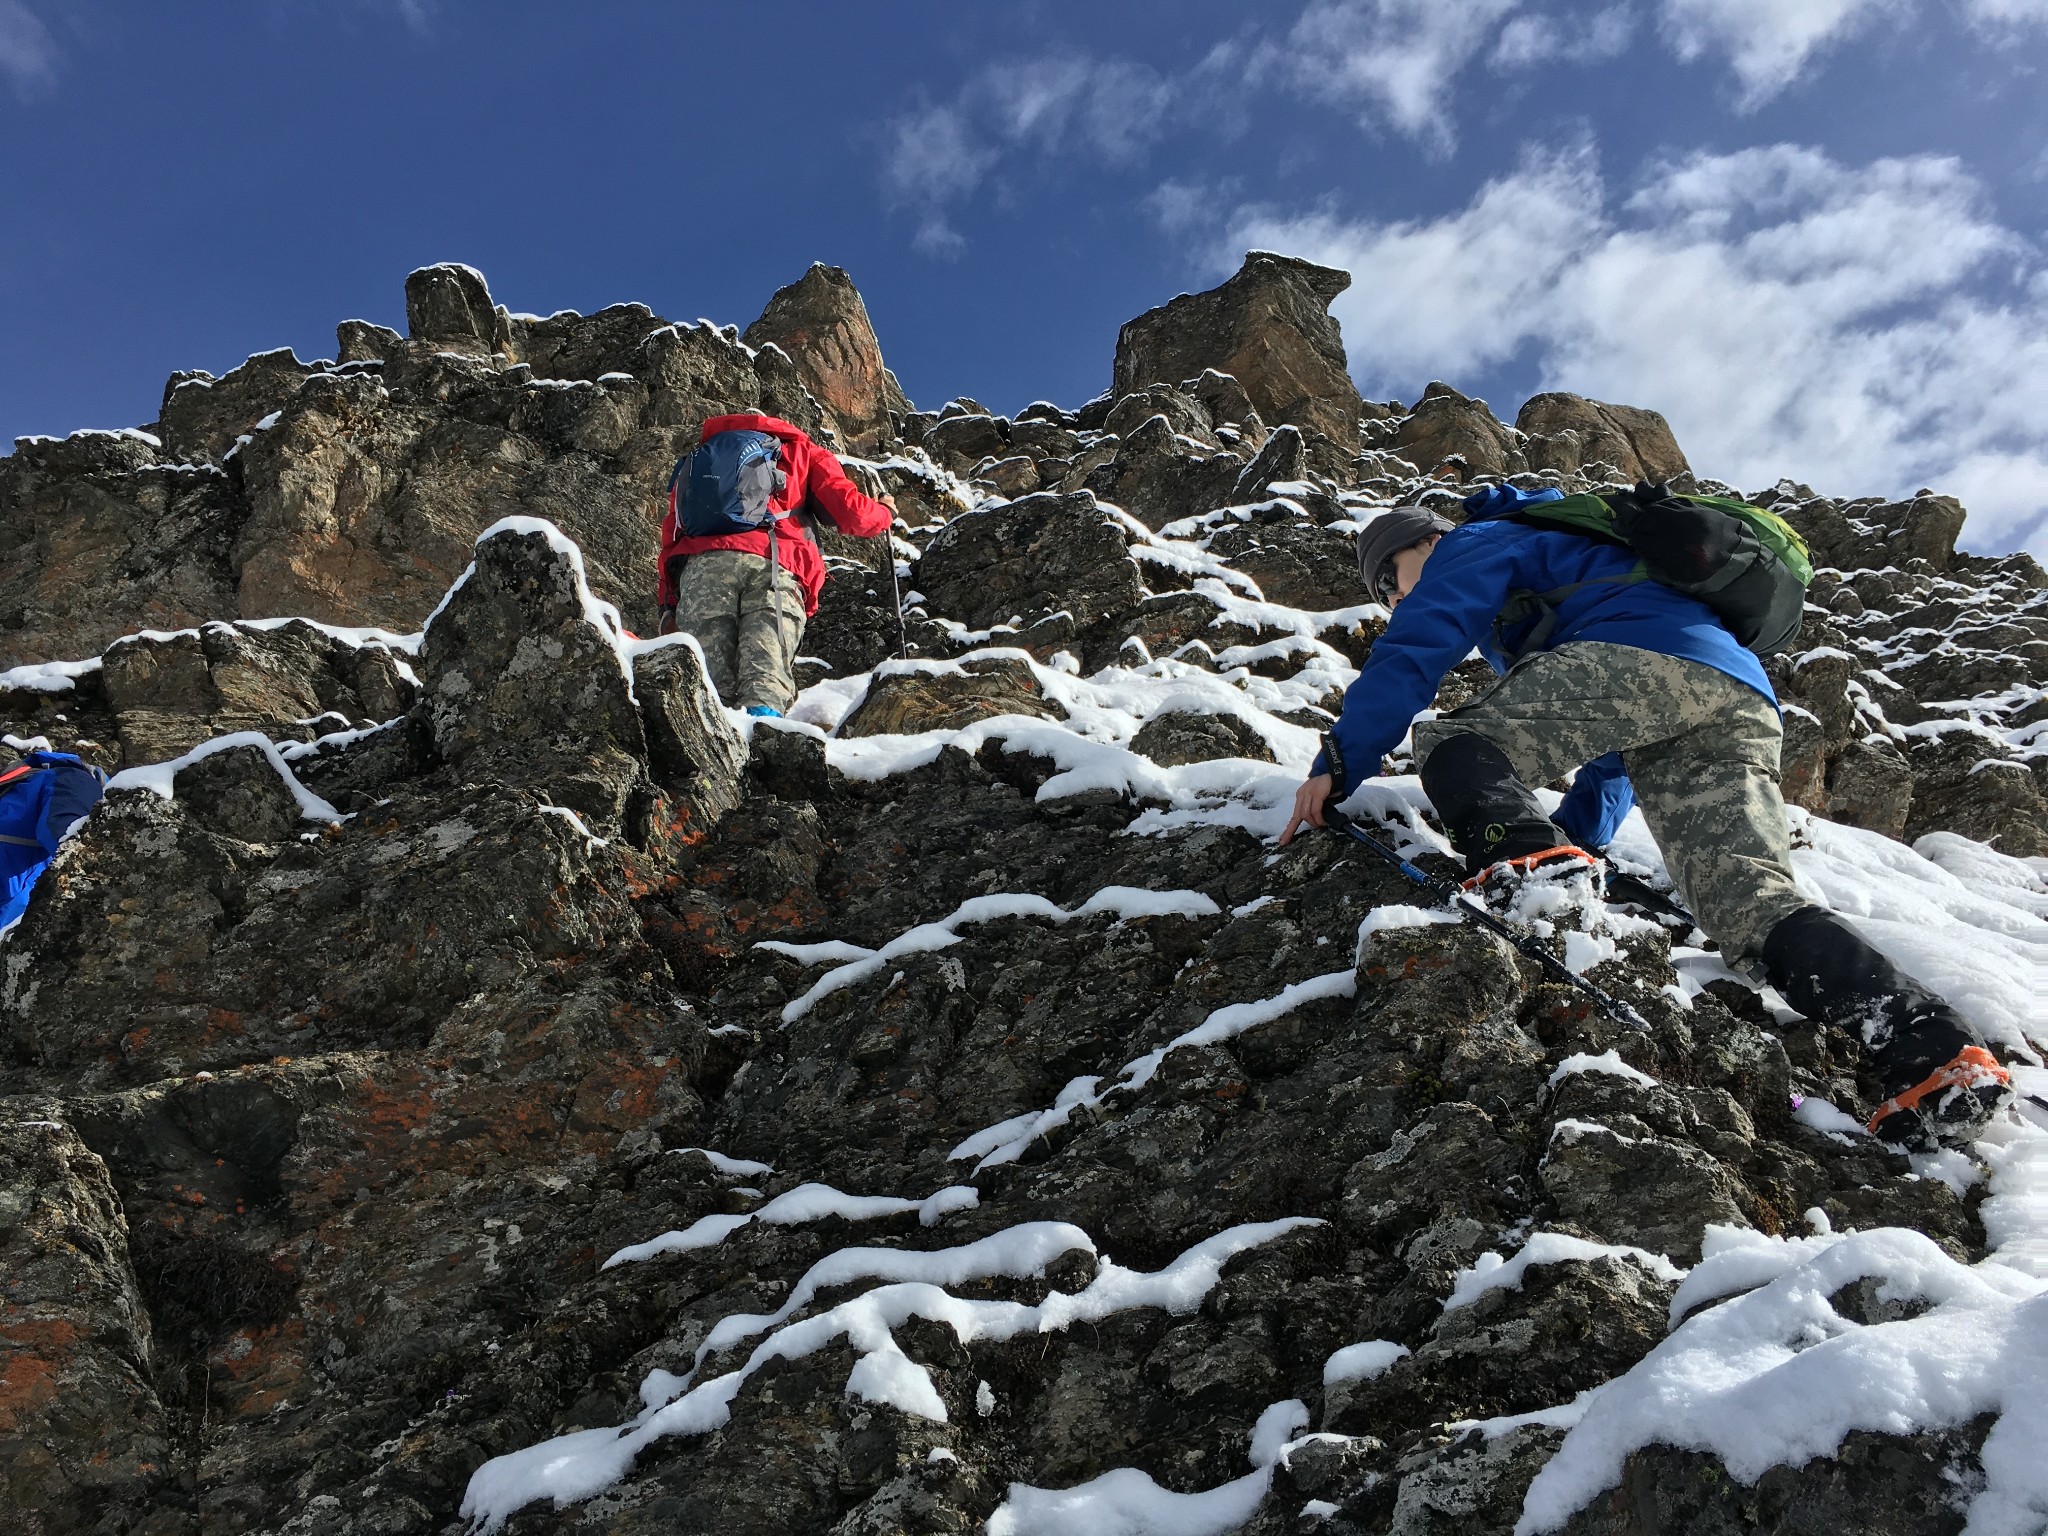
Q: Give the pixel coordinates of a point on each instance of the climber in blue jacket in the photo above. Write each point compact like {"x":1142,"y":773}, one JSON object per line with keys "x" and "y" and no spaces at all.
{"x":41,"y":798}
{"x":1474,"y":572}
{"x":1648,"y":695}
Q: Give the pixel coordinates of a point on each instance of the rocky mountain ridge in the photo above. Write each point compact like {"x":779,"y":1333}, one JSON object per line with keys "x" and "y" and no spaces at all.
{"x":465,"y":1075}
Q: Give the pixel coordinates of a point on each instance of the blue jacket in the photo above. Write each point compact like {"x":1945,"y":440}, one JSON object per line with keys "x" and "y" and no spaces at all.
{"x":39,"y":803}
{"x":1452,"y":610}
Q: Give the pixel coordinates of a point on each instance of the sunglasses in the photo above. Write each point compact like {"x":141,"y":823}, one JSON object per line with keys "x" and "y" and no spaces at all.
{"x":1386,"y":582}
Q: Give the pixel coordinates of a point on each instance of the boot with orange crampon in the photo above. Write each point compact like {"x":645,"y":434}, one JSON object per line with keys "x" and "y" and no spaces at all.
{"x":1949,"y":1105}
{"x":1531,"y":884}
{"x":1508,"y":843}
{"x":1939,"y":1083}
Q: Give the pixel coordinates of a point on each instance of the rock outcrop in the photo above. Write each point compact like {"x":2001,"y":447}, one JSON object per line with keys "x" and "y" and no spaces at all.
{"x":350,"y":492}
{"x":1456,"y":437}
{"x":822,"y":323}
{"x":1269,"y":328}
{"x":463,"y":1067}
{"x":79,"y":1422}
{"x":1567,"y":433}
{"x":448,"y":307}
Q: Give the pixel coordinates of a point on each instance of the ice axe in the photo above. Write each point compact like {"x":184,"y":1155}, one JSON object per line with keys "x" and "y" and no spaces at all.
{"x":1456,"y":898}
{"x":878,"y":490}
{"x":896,"y":593}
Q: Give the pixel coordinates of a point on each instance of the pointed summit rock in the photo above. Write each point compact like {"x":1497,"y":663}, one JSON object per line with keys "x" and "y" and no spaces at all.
{"x":821,"y":322}
{"x":1270,"y":328}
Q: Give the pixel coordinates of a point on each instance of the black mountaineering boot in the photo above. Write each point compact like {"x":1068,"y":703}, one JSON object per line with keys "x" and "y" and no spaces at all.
{"x":1490,"y":814}
{"x":1940,"y":1083}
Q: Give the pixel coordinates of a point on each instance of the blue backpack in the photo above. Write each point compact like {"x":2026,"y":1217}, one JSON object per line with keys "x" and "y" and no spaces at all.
{"x":41,"y":799}
{"x":725,"y":486}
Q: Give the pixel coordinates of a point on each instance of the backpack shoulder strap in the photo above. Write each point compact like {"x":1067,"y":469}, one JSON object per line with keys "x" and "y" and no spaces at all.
{"x":1525,"y":605}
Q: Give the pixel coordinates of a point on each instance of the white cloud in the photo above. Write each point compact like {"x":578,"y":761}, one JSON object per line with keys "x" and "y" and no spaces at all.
{"x":1056,"y":105}
{"x":1391,"y":61}
{"x":1189,"y":207}
{"x":1866,"y":329}
{"x":934,"y":157}
{"x":1396,"y":65}
{"x":1445,"y":297}
{"x":1769,"y":43}
{"x":28,"y":55}
{"x":2007,"y":14}
{"x":1532,"y":40}
{"x":1115,"y":109}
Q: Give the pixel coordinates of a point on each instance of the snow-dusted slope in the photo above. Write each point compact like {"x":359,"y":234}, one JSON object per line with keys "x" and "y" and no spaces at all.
{"x":475,"y":1079}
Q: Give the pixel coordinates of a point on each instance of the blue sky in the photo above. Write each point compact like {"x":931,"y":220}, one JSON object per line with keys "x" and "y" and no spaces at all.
{"x":1809,"y":231}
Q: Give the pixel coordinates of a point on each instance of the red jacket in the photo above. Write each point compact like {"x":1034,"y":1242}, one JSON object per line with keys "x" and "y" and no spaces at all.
{"x":814,"y":476}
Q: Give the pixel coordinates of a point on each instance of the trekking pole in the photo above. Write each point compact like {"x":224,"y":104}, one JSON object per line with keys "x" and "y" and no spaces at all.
{"x":1453,"y":896}
{"x":896,"y":592}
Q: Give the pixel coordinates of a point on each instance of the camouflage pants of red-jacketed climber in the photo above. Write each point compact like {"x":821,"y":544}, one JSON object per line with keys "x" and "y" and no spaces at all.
{"x":1701,"y":749}
{"x":747,"y":626}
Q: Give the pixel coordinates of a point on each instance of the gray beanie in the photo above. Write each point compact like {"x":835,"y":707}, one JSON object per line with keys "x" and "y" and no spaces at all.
{"x":1390,"y":533}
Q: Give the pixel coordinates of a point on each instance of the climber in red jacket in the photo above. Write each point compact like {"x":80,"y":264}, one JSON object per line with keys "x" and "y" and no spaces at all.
{"x":719,"y":587}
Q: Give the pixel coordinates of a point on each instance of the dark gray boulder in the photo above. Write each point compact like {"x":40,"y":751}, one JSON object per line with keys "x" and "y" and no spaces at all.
{"x":364,"y":341}
{"x":693,"y":753}
{"x":1885,"y":1485}
{"x":1156,"y":479}
{"x":1174,"y":737}
{"x":525,"y":681}
{"x":1569,"y":1325}
{"x":948,"y":697}
{"x":238,"y":793}
{"x":1639,"y":1190}
{"x":960,"y":442}
{"x":1282,"y":457}
{"x":1230,"y":408}
{"x":1294,"y":559}
{"x":1185,"y":416}
{"x":292,"y":681}
{"x":1030,"y":558}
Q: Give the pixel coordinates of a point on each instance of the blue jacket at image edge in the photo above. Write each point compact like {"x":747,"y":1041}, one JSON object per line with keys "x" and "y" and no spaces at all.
{"x":35,"y":813}
{"x":1451,"y":613}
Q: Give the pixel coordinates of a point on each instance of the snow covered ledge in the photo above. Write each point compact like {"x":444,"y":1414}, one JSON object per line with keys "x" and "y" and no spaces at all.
{"x":161,"y":778}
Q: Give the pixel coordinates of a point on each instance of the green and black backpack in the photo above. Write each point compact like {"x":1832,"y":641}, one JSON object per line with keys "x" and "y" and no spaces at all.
{"x":1746,"y":563}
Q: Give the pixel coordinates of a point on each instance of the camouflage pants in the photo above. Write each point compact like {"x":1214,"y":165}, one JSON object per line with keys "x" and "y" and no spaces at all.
{"x":747,"y":626}
{"x":1701,"y":750}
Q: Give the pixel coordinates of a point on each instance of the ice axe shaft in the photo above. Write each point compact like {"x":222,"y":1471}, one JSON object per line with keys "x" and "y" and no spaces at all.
{"x":1449,"y":893}
{"x":896,"y":592}
{"x":876,"y":486}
